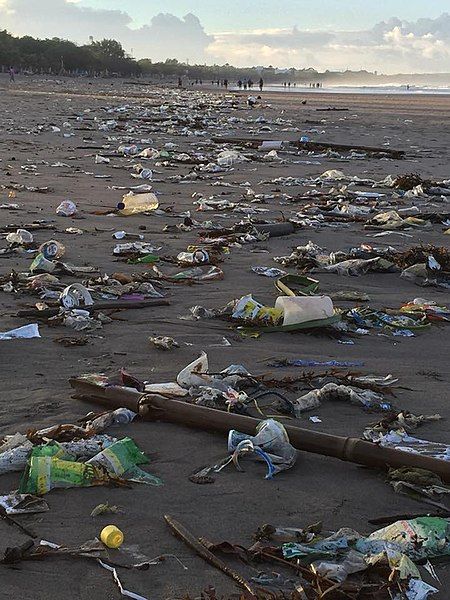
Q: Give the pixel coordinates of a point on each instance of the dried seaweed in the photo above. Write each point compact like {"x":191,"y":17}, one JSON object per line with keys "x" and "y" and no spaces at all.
{"x":408,"y":181}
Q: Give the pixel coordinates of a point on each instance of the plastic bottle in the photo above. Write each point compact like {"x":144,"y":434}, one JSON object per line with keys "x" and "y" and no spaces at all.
{"x":111,"y":536}
{"x":137,"y":203}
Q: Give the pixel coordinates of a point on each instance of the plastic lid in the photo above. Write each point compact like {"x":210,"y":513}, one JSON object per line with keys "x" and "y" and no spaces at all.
{"x":111,"y":536}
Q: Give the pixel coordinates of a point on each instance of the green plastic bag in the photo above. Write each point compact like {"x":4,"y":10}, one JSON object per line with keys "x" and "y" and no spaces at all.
{"x":121,"y":460}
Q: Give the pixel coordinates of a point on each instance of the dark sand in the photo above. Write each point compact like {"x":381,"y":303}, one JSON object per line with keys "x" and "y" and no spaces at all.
{"x":35,"y":389}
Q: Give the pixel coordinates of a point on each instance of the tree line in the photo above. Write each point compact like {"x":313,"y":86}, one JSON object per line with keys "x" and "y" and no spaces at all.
{"x":108,"y":58}
{"x":57,"y":56}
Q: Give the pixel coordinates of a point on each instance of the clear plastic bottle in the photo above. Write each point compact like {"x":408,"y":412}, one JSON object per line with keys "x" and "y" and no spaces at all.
{"x":137,"y":203}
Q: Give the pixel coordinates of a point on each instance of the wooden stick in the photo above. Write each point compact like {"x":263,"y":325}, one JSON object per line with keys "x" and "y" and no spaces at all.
{"x":122,"y":305}
{"x":208,"y":556}
{"x":407,"y":517}
{"x":9,"y":519}
{"x":255,"y":143}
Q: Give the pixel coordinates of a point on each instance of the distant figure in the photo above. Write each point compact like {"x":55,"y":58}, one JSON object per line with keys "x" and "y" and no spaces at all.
{"x":407,"y":87}
{"x":11,"y":74}
{"x":239,"y":84}
{"x":250,"y":84}
{"x":180,"y":82}
{"x":261,"y":84}
{"x":225,"y":83}
{"x":289,"y":85}
{"x":201,"y":81}
{"x":285,"y":84}
{"x":295,"y":85}
{"x":245,"y":84}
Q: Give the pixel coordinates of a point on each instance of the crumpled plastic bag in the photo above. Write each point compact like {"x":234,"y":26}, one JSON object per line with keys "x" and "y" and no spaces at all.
{"x":400,"y":440}
{"x":228,"y":158}
{"x":359,"y":266}
{"x":248,"y":309}
{"x":25,"y":332}
{"x":271,"y":444}
{"x":332,"y":391}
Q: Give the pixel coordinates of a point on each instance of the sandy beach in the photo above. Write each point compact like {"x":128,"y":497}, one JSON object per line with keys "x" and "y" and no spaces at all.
{"x":35,"y":390}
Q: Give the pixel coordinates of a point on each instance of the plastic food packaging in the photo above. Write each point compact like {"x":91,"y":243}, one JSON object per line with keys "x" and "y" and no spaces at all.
{"x":128,"y":150}
{"x":301,"y":309}
{"x":137,"y":203}
{"x":111,"y":536}
{"x":22,"y":504}
{"x":120,"y":416}
{"x":228,"y":158}
{"x":99,"y":159}
{"x":121,"y":460}
{"x":199,"y":257}
{"x":353,"y":563}
{"x":248,"y":309}
{"x":45,"y":473}
{"x":15,"y":459}
{"x":67,"y":208}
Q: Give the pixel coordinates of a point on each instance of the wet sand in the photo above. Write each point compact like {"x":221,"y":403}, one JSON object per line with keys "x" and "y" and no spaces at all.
{"x":35,"y":373}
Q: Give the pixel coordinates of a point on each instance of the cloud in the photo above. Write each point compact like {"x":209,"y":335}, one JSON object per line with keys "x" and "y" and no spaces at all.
{"x":391,"y":46}
{"x":166,"y":36}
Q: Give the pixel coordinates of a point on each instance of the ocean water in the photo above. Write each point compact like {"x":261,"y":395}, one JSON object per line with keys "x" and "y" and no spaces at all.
{"x":343,"y":89}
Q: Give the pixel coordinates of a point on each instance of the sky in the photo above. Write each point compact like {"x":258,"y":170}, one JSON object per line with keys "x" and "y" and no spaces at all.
{"x":389,"y":36}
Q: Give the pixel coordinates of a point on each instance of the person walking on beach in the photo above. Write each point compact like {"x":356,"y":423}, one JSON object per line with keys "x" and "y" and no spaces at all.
{"x":11,"y":75}
{"x":225,"y":83}
{"x":261,"y":84}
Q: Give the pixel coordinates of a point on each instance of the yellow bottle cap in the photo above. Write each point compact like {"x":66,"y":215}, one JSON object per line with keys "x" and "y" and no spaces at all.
{"x":111,"y":536}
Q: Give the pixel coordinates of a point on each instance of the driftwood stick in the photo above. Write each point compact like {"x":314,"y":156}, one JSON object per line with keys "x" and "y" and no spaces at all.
{"x":255,"y":143}
{"x":122,"y":305}
{"x":208,"y":556}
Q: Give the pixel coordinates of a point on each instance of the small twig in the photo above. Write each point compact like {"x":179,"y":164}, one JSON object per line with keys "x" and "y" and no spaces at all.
{"x":13,"y":521}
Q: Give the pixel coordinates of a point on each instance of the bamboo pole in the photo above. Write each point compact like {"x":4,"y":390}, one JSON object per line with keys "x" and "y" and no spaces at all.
{"x":153,"y":407}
